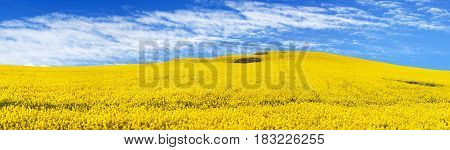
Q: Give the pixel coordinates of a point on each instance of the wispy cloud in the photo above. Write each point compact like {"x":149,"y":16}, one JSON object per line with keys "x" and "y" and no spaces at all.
{"x":382,"y":4}
{"x":419,"y":2}
{"x":437,"y":12}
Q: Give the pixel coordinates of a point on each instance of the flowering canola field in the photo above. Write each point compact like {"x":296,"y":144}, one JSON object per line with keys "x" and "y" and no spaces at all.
{"x":280,"y":90}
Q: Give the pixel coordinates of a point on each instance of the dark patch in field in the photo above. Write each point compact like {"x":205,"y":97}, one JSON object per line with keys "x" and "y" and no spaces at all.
{"x":272,"y":102}
{"x":7,"y":103}
{"x":248,"y":60}
{"x":429,"y":84}
{"x":40,"y":106}
{"x":261,"y":53}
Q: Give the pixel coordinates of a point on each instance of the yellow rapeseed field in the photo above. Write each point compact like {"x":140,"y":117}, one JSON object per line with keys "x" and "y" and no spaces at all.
{"x":277,"y":91}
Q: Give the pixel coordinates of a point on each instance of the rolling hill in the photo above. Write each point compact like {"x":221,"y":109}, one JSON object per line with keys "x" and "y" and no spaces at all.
{"x":274,"y":90}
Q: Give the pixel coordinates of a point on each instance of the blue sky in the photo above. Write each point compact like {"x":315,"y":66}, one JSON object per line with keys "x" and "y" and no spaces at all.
{"x":58,"y":33}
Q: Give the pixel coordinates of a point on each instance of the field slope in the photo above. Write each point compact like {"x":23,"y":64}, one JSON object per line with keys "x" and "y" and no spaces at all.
{"x":276,"y":90}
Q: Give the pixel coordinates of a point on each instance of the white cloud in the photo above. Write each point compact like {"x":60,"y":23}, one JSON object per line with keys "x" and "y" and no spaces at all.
{"x":276,"y":15}
{"x":435,"y":11}
{"x":381,"y":4}
{"x":396,"y":13}
{"x":438,"y":12}
{"x":388,"y":4}
{"x":419,"y":2}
